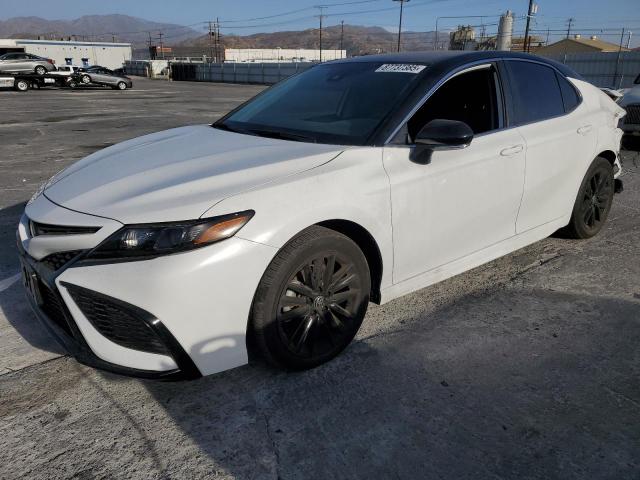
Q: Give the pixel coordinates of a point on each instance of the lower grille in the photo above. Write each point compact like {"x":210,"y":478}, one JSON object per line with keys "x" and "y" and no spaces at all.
{"x":53,"y":308}
{"x":55,"y":261}
{"x":633,"y":114}
{"x":120,"y":322}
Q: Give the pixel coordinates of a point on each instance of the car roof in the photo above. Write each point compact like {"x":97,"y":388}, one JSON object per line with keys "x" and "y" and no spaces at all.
{"x":455,"y":58}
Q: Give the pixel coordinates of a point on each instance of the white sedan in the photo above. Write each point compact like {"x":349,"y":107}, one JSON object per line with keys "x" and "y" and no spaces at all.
{"x":358,"y":180}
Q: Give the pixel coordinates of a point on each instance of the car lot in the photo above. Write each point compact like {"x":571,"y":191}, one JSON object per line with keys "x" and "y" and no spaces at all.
{"x":527,"y":367}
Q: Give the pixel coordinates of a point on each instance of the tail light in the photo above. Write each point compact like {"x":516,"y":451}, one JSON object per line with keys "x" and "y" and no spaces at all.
{"x":52,"y":62}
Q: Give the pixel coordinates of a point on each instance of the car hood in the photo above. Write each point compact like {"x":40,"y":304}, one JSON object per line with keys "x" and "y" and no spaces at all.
{"x":178,"y":174}
{"x":630,"y":96}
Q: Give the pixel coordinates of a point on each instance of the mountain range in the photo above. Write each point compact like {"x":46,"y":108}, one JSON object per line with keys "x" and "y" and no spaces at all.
{"x":106,"y":28}
{"x":357,"y":40}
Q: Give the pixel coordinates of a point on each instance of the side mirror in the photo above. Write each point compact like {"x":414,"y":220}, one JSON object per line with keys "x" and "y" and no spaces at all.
{"x":440,"y":134}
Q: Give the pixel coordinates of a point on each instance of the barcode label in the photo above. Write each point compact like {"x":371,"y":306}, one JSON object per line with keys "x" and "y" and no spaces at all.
{"x":400,"y":68}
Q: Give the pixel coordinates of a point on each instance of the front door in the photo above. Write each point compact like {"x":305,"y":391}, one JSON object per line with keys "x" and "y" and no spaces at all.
{"x":463,"y":200}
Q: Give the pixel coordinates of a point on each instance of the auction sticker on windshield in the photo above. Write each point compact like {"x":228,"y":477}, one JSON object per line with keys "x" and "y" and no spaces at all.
{"x":400,"y":68}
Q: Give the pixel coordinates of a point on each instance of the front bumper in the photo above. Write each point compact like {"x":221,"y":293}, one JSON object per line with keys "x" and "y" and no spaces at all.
{"x":196,"y":303}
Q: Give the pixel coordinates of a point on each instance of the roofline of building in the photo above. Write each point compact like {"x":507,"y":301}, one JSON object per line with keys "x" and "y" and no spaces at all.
{"x":22,"y":41}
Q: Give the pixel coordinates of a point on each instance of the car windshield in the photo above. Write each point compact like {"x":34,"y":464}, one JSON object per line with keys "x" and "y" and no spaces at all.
{"x":335,"y":103}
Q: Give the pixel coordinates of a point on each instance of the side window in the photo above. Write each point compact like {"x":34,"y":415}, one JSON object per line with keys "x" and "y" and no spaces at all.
{"x":569,"y":95}
{"x":536,"y":92}
{"x":470,"y":97}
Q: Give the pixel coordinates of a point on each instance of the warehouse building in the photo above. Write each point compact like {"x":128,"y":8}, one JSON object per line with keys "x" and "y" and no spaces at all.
{"x":277,"y":55}
{"x":63,"y":52}
{"x":579,"y":44}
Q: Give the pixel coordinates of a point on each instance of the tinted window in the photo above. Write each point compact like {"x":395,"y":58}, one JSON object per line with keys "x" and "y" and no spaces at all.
{"x":339,"y":103}
{"x":536,"y":92}
{"x":569,"y":95}
{"x":469,"y":98}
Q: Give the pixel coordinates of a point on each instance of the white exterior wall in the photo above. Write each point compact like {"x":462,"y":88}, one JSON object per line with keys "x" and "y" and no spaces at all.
{"x":110,"y":55}
{"x":272,"y":55}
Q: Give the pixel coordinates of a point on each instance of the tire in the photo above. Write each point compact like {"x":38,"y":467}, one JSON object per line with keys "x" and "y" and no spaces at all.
{"x":121,"y":86}
{"x":86,"y":79}
{"x":22,"y":85}
{"x":40,"y":70}
{"x":593,"y":202}
{"x":300,"y":320}
{"x":72,"y":84}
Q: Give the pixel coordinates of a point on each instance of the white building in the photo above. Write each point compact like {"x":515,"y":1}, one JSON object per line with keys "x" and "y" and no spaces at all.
{"x":274,"y":55}
{"x":110,"y":55}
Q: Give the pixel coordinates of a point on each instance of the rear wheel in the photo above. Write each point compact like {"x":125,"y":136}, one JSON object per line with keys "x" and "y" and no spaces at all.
{"x":594,"y":200}
{"x":311,"y":300}
{"x":22,"y":85}
{"x":40,"y":70}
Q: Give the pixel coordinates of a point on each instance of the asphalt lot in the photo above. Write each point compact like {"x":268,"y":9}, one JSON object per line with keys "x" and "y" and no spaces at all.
{"x":527,"y":367}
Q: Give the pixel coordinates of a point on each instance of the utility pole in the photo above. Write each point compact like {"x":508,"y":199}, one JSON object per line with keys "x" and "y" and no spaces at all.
{"x":219,"y":50}
{"x":151,"y":55}
{"x":615,"y":73}
{"x":210,"y":41}
{"x":400,"y":22}
{"x":342,"y":35}
{"x":526,"y":29}
{"x":161,"y":44}
{"x":569,"y":23}
{"x":629,"y":40}
{"x":321,"y":9}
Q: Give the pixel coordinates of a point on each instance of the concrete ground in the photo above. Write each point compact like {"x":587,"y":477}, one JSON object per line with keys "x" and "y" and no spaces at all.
{"x":527,"y":367}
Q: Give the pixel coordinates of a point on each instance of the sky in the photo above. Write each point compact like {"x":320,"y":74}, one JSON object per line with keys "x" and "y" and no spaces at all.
{"x":604,"y":18}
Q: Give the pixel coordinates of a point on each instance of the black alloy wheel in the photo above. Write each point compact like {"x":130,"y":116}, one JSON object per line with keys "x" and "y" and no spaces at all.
{"x":318,"y":305}
{"x":311,"y":300}
{"x":594,"y":200}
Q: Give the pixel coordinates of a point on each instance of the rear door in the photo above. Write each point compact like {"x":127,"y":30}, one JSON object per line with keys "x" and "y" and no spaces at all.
{"x":104,"y":76}
{"x":559,"y":137}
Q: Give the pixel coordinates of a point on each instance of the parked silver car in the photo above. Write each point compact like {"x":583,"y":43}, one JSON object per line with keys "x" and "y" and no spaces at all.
{"x":19,"y":62}
{"x":103,"y":76}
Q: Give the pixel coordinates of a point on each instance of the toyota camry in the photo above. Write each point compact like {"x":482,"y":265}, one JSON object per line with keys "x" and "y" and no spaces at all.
{"x":176,"y":253}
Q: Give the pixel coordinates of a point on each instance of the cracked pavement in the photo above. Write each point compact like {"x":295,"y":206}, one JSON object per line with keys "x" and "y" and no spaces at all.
{"x":527,"y":367}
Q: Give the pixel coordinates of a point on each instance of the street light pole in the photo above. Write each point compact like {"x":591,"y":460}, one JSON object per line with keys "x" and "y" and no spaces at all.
{"x":400,"y":22}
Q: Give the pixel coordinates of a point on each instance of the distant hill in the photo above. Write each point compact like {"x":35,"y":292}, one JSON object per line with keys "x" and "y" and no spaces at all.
{"x":96,"y":28}
{"x":357,"y":40}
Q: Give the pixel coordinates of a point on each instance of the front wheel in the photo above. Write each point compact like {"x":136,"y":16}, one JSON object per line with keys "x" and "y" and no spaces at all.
{"x":594,"y":200}
{"x":121,"y":86}
{"x":311,"y":300}
{"x":85,"y":79}
{"x":22,"y":85}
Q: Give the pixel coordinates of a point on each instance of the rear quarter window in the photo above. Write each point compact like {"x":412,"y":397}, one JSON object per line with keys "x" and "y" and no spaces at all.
{"x":535,"y":91}
{"x":570,"y":96}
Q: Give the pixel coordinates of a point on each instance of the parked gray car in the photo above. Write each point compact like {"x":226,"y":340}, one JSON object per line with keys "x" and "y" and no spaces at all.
{"x":20,"y":62}
{"x":631,"y":103}
{"x":103,"y":76}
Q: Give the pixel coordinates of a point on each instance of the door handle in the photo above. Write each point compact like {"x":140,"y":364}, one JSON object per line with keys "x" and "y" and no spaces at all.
{"x":507,"y":152}
{"x":584,"y":129}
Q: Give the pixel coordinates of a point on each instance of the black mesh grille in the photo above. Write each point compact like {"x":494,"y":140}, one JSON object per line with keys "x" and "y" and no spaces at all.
{"x":44,"y":229}
{"x":118,"y":321}
{"x":58,"y":260}
{"x":633,"y":114}
{"x":53,"y":308}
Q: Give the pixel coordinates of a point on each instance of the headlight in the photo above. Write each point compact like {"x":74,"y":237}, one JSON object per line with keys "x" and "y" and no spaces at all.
{"x":147,"y":241}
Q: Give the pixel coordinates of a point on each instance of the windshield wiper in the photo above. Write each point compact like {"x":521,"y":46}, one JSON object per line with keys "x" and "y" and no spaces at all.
{"x":296,"y":137}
